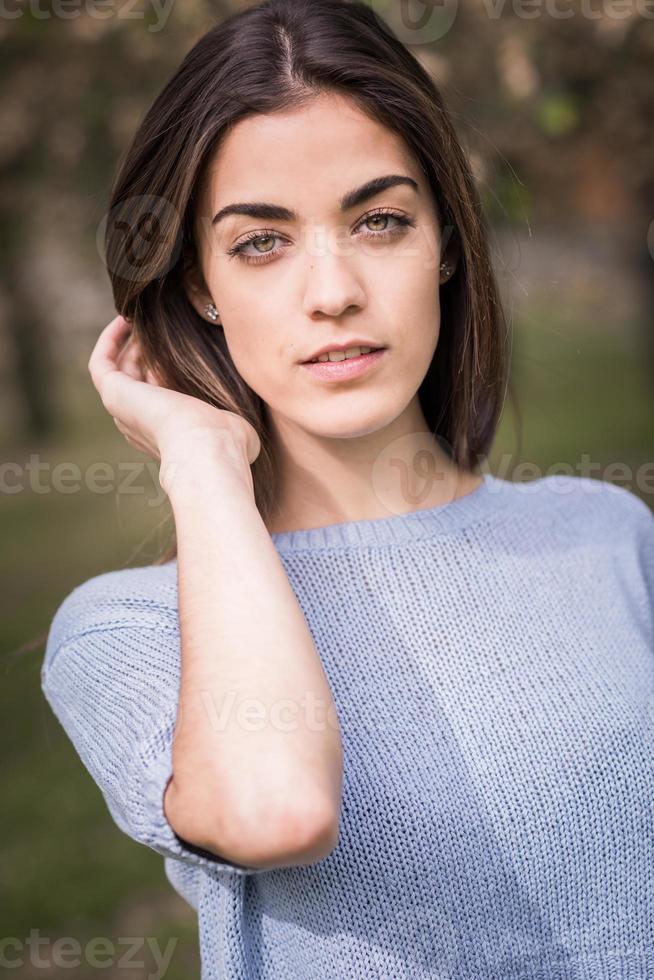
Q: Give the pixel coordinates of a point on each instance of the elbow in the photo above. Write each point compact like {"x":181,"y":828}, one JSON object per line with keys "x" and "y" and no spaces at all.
{"x":297,"y":836}
{"x":310,"y":835}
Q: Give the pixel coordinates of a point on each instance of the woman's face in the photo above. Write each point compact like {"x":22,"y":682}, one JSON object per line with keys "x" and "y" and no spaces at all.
{"x":287,"y":285}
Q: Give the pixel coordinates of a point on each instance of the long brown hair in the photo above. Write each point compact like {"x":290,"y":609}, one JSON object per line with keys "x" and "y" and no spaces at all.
{"x":264,"y":59}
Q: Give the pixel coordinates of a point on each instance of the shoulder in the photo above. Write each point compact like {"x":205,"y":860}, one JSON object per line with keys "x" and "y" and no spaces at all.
{"x":585,"y":504}
{"x":596,"y":530}
{"x":126,"y":597}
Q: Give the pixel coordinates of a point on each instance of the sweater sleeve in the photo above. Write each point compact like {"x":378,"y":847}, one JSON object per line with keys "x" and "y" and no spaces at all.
{"x":111,"y":676}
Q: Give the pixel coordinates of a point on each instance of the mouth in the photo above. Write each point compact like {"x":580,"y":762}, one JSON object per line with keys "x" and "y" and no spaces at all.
{"x":346,"y":368}
{"x":323,"y":360}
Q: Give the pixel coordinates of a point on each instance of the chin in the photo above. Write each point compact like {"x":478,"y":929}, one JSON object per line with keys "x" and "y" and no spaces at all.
{"x":348,"y":429}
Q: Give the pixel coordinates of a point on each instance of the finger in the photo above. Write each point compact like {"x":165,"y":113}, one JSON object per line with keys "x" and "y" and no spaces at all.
{"x":107,"y":348}
{"x":121,"y":395}
{"x":130,"y":360}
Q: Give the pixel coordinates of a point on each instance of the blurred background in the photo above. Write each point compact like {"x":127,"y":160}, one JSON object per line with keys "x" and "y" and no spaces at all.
{"x":554,"y":103}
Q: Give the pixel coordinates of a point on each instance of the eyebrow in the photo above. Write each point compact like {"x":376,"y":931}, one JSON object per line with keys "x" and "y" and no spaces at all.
{"x":275,"y":212}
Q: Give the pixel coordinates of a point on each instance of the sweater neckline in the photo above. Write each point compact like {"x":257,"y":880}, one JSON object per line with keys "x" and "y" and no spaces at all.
{"x":427,"y":522}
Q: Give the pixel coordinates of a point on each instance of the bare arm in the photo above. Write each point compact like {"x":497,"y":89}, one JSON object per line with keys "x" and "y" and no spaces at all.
{"x":256,"y":754}
{"x":257,"y":769}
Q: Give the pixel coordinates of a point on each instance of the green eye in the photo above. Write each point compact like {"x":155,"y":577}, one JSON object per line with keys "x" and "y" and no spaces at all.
{"x":268,"y":235}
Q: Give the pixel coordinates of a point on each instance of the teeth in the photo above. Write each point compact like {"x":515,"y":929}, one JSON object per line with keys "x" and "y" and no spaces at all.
{"x":339,"y":355}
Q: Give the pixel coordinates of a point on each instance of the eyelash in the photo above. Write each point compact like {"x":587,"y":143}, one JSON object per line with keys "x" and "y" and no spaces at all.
{"x":237,"y":250}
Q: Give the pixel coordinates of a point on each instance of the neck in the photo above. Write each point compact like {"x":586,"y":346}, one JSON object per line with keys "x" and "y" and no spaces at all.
{"x":391,"y":471}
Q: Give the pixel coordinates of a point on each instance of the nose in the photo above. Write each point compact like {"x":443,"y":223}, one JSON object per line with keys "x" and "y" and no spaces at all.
{"x":333,"y":284}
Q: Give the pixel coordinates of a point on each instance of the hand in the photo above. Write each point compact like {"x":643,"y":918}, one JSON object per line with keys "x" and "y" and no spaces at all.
{"x":165,"y":424}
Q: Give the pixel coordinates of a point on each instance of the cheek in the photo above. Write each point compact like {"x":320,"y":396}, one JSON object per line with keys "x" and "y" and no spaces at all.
{"x":407,"y":288}
{"x":257,"y":358}
{"x":420,"y":286}
{"x":253,"y":316}
{"x":245,"y":352}
{"x":416,"y":311}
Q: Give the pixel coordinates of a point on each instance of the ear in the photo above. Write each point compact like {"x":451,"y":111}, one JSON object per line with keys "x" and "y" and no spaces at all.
{"x":195,"y":288}
{"x":451,"y":256}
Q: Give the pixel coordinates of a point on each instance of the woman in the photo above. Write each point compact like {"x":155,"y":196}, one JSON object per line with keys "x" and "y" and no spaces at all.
{"x":375,"y":732}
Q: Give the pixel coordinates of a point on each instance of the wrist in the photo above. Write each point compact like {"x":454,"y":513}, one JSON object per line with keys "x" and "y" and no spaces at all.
{"x":205,"y":462}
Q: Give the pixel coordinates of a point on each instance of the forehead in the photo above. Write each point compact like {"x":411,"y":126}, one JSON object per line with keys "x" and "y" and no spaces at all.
{"x":306,"y":157}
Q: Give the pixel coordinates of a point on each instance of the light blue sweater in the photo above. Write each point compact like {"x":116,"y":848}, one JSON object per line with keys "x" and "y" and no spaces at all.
{"x":492,"y":665}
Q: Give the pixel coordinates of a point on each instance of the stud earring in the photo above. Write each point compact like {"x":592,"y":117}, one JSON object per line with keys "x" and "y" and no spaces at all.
{"x":446,"y":269}
{"x":211,"y":312}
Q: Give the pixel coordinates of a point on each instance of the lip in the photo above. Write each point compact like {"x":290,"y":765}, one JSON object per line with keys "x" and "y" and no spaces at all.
{"x":357,"y":342}
{"x":351,"y":367}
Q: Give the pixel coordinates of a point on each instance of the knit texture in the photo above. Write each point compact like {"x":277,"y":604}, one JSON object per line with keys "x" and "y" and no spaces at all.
{"x":492,"y":665}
